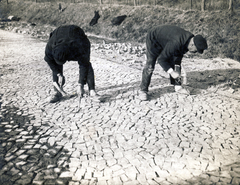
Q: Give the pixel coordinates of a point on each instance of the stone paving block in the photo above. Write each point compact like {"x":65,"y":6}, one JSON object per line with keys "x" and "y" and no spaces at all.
{"x":100,"y":164}
{"x":123,"y":162}
{"x":195,"y":172}
{"x":25,"y":179}
{"x":150,"y":174}
{"x":9,"y":158}
{"x":21,"y":163}
{"x":212,"y":166}
{"x":73,"y":183}
{"x":173,"y":179}
{"x":115,"y":181}
{"x":132,"y":182}
{"x":236,"y":180}
{"x":214,"y":178}
{"x":84,"y":182}
{"x":66,"y":174}
{"x":118,"y":173}
{"x":98,"y":174}
{"x":108,"y":172}
{"x":51,"y":141}
{"x":152,"y":182}
{"x":135,"y":162}
{"x":162,"y":181}
{"x":184,"y":174}
{"x":131,"y":172}
{"x":235,"y":172}
{"x":178,"y":166}
{"x":159,"y":160}
{"x":146,"y":155}
{"x":225,"y":180}
{"x":225,"y":174}
{"x":118,"y":153}
{"x":78,"y":175}
{"x":124,"y":178}
{"x":116,"y":167}
{"x":14,"y":171}
{"x":20,"y":140}
{"x":167,"y":165}
{"x":111,"y":161}
{"x":37,"y":182}
{"x":102,"y":182}
{"x":142,"y":179}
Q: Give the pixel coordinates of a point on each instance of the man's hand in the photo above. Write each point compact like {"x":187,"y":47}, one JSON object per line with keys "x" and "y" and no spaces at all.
{"x":55,"y":84}
{"x":60,"y":79}
{"x":174,"y":74}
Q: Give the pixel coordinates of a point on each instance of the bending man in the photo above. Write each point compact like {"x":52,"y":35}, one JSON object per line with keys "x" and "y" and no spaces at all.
{"x":69,"y":43}
{"x":167,"y":44}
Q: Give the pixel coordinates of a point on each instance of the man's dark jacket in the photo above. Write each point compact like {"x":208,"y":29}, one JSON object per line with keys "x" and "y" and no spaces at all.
{"x":67,"y":43}
{"x":169,"y":43}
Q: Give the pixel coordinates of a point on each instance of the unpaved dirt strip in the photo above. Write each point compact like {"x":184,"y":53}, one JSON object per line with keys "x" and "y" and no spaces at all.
{"x":170,"y":139}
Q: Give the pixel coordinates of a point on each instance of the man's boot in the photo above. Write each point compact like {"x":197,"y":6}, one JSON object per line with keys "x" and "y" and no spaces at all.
{"x":142,"y":95}
{"x":82,"y":91}
{"x":56,"y":96}
{"x":94,"y":96}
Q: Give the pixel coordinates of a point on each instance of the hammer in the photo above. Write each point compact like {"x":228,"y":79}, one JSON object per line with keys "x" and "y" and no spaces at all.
{"x":60,"y":86}
{"x":55,"y":84}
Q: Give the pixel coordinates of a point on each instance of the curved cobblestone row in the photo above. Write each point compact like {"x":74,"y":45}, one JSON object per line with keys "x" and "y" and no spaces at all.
{"x":171,"y":139}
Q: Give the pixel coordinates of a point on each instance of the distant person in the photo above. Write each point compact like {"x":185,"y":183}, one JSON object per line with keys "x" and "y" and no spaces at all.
{"x":167,"y":44}
{"x":60,"y":7}
{"x":69,"y":43}
{"x":95,"y":18}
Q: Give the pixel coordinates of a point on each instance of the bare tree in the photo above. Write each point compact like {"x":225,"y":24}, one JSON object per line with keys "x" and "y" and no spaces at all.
{"x":203,"y":5}
{"x":100,"y":1}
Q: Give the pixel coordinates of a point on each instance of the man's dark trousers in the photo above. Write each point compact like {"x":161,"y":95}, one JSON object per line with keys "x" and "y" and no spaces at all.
{"x":152,"y":55}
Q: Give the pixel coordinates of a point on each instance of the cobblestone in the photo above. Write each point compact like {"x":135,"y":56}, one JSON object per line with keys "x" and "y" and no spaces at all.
{"x":171,"y":139}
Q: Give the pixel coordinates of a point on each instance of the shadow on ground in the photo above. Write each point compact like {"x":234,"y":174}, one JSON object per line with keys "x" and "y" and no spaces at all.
{"x":197,"y":81}
{"x":25,"y":154}
{"x":227,"y":174}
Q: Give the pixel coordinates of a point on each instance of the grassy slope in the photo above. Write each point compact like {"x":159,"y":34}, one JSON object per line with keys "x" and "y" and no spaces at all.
{"x":221,"y":28}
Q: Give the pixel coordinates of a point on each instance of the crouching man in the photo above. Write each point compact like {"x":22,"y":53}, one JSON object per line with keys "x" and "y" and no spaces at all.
{"x":167,"y":44}
{"x":69,"y":43}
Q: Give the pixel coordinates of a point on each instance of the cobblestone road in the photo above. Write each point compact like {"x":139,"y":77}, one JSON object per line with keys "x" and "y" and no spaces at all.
{"x":171,"y":139}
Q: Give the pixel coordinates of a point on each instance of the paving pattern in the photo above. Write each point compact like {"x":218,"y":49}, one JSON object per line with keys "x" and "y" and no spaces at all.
{"x":170,"y":139}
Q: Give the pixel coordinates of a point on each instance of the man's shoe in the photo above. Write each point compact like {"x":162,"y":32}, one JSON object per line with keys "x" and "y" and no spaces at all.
{"x":55,"y":98}
{"x":94,"y":96}
{"x":82,"y":92}
{"x":181,"y":90}
{"x":142,"y":95}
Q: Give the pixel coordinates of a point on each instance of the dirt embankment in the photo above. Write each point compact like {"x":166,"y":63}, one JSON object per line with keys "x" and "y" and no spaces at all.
{"x":221,"y":28}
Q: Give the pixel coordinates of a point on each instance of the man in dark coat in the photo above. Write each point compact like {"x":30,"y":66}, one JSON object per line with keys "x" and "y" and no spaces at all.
{"x":69,"y":43}
{"x":167,"y":44}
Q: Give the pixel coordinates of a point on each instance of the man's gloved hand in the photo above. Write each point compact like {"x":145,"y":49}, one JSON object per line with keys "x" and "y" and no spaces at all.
{"x":174,"y":74}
